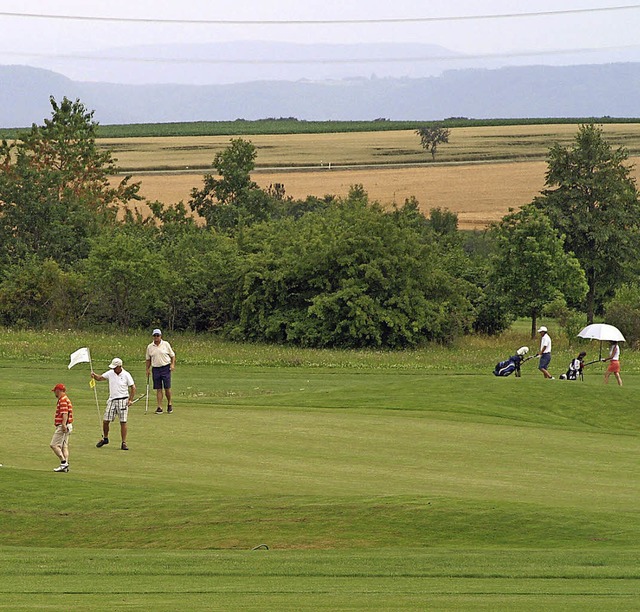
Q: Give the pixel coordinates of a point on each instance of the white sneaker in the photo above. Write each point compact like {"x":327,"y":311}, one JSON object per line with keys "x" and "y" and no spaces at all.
{"x":63,"y":467}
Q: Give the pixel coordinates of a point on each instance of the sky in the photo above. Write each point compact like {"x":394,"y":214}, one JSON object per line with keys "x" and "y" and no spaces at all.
{"x":473,"y":27}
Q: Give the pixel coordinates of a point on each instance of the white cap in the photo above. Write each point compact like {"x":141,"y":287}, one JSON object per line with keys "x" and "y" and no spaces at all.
{"x":156,"y":332}
{"x":115,"y":362}
{"x":542,"y":329}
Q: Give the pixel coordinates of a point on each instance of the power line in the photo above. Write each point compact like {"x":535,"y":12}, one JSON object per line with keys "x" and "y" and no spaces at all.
{"x":320,"y":21}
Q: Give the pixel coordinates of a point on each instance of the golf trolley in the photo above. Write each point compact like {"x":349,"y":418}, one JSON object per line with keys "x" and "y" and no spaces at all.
{"x":513,"y":364}
{"x":576,"y":367}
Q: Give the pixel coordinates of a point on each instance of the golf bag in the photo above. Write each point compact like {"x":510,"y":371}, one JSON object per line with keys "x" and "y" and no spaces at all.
{"x":508,"y":366}
{"x":511,"y":365}
{"x":575,"y":368}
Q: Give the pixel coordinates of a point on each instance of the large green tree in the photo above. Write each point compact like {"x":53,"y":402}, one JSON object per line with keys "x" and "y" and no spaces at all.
{"x":55,"y":192}
{"x":531,"y":267}
{"x":591,"y":199}
{"x":232,"y":200}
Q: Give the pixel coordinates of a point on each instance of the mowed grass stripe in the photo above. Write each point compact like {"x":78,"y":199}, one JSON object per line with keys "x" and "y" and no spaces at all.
{"x":312,"y":580}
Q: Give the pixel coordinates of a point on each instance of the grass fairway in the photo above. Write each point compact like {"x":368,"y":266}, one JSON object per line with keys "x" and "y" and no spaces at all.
{"x":377,"y":480}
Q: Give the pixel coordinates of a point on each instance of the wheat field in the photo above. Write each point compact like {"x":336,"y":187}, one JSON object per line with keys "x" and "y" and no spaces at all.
{"x":480,"y":174}
{"x":478,"y":193}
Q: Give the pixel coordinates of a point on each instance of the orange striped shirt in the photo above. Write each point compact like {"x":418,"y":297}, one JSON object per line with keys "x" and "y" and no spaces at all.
{"x":64,"y":405}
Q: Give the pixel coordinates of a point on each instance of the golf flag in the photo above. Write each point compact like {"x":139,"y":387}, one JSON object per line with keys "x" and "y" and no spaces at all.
{"x":80,"y":356}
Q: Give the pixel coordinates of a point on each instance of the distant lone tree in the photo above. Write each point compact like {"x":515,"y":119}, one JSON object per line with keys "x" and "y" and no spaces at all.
{"x":431,"y":136}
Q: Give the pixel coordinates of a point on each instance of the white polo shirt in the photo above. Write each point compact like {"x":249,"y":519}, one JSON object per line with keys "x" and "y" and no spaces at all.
{"x":118,"y":383}
{"x":545,"y":344}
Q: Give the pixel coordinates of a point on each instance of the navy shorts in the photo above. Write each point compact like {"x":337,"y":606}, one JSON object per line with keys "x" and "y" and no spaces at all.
{"x":161,"y":377}
{"x":545,"y":360}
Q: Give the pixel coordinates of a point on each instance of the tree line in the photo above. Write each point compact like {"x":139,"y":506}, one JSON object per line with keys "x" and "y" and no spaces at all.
{"x":319,"y":272}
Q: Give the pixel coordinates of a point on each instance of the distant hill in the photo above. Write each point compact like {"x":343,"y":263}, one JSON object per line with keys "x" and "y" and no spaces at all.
{"x":246,"y":61}
{"x":527,"y":91}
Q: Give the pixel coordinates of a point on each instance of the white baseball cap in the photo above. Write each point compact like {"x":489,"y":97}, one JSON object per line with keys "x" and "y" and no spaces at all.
{"x":156,"y":332}
{"x":542,"y":329}
{"x":115,"y":362}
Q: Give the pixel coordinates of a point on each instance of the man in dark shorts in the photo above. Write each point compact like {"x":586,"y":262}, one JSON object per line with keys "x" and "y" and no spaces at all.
{"x":161,"y":361}
{"x":545,"y":352}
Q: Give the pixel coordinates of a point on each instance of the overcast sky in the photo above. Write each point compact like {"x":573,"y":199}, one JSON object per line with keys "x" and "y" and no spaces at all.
{"x":475,"y":27}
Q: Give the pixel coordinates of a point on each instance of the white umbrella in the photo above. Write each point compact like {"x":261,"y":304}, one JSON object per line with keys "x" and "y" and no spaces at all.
{"x":601,"y":331}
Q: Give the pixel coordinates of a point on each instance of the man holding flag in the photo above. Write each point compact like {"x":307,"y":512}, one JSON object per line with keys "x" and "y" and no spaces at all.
{"x":122,"y":389}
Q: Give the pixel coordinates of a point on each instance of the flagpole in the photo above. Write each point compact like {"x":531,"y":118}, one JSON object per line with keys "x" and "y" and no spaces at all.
{"x":83,"y":355}
{"x":95,"y":392}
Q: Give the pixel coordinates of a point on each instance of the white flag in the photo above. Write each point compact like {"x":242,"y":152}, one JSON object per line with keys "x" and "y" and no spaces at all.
{"x":80,"y":356}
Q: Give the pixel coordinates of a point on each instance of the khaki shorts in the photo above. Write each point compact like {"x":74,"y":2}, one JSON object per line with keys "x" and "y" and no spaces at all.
{"x":61,"y":438}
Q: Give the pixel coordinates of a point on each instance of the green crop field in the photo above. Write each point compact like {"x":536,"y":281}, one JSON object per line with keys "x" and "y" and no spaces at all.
{"x":291,"y":125}
{"x":292,"y":479}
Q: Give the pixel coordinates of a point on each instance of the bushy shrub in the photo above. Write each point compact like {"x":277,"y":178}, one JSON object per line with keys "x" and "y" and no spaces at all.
{"x":351,"y":275}
{"x":36,"y":293}
{"x":492,"y":314}
{"x":623,"y":311}
{"x":570,"y":321}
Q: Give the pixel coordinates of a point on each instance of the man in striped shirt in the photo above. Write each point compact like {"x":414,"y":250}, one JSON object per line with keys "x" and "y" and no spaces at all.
{"x":63,"y":423}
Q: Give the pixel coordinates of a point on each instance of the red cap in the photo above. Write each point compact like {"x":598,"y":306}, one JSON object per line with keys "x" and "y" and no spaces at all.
{"x":59,"y":387}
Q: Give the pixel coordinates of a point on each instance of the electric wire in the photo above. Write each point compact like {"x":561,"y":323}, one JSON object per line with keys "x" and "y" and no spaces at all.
{"x":298,"y":22}
{"x":319,"y":61}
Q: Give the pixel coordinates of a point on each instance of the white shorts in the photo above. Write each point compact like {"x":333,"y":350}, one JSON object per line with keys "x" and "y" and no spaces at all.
{"x":117,"y":406}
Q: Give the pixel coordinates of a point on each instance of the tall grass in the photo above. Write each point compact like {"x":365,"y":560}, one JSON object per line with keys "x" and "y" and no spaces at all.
{"x":475,"y":353}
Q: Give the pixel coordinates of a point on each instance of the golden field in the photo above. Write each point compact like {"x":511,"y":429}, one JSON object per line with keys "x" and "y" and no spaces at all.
{"x":479,"y":174}
{"x":478,"y":193}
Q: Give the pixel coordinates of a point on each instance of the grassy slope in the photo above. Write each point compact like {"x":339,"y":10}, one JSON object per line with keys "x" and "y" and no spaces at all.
{"x":375,"y":479}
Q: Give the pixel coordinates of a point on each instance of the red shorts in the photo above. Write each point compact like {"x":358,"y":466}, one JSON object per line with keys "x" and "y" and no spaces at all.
{"x":614,"y":367}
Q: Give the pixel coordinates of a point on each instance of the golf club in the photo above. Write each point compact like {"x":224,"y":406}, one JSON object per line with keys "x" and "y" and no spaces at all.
{"x":139,"y":398}
{"x":146,"y":404}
